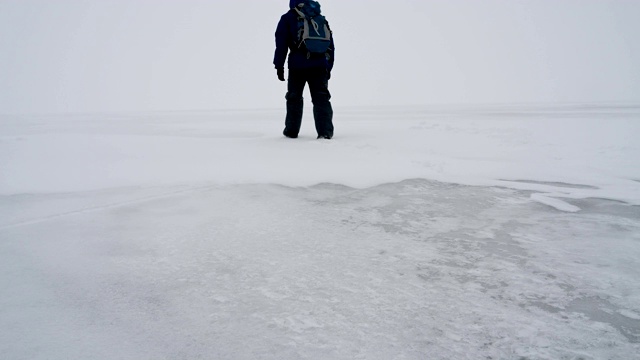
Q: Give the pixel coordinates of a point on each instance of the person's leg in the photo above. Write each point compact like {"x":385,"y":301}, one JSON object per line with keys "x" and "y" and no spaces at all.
{"x":320,"y":96}
{"x":295,"y":103}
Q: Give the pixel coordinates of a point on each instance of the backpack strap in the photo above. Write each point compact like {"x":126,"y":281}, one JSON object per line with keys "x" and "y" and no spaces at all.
{"x":301,"y":19}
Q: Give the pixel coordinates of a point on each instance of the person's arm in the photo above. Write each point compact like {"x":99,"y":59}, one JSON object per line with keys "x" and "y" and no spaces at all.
{"x":282,"y":47}
{"x":331,"y":52}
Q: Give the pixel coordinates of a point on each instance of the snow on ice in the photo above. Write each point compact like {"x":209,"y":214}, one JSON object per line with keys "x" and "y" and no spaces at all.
{"x":505,"y":232}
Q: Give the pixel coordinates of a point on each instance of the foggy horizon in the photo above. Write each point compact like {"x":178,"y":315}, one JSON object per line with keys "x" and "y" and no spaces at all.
{"x":92,"y":56}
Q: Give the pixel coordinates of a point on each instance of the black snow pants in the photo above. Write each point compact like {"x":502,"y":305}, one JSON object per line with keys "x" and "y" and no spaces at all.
{"x":318,"y":80}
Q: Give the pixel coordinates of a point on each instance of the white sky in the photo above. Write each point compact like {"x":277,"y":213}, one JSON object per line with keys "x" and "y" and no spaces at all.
{"x":140,"y":55}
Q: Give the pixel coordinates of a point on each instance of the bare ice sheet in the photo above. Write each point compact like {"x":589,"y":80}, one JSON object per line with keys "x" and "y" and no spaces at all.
{"x":410,"y":270}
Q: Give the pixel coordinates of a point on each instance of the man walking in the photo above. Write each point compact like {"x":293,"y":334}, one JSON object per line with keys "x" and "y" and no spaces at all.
{"x":305,"y":35}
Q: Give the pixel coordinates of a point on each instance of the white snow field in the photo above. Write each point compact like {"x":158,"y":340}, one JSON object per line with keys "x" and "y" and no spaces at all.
{"x":503,"y":232}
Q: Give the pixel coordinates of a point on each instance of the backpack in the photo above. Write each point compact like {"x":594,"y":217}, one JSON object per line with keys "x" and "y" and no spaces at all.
{"x":313,"y":30}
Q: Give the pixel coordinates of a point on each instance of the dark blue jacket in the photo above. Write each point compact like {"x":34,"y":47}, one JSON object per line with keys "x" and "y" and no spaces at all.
{"x":286,"y":36}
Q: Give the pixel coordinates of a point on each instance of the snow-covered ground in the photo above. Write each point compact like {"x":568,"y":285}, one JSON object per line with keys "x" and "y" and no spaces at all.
{"x":503,"y":232}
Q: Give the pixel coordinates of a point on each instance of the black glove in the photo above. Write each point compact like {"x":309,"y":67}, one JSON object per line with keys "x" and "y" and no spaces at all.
{"x":280,"y":73}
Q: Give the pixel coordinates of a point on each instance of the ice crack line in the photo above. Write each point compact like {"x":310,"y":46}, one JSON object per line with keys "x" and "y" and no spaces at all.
{"x":92,"y":209}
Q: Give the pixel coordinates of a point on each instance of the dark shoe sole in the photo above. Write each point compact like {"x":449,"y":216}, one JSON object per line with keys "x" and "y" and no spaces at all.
{"x":290,"y":136}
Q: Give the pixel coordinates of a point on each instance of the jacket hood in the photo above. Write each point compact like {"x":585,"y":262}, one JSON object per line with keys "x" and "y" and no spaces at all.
{"x":294,"y":3}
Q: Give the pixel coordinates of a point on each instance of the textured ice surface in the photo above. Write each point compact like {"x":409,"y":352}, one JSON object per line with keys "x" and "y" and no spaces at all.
{"x":401,"y":270}
{"x":165,"y":236}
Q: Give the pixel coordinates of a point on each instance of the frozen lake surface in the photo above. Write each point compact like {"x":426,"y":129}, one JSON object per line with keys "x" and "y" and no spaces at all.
{"x":465,"y":233}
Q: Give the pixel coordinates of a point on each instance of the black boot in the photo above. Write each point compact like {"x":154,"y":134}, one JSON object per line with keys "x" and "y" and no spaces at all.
{"x":289,"y":135}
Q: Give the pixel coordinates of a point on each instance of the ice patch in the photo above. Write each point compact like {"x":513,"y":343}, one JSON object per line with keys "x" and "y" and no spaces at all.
{"x":625,"y":321}
{"x":554,"y":203}
{"x":398,"y":270}
{"x":631,"y":315}
{"x":555,"y":184}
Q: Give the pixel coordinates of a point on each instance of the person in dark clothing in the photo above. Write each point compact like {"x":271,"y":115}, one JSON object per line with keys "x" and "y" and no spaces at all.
{"x":304,"y":67}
